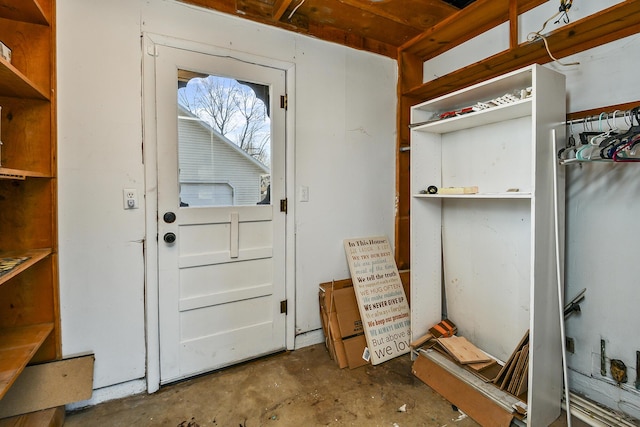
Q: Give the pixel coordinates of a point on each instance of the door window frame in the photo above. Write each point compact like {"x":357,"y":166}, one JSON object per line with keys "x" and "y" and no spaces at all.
{"x":150,"y":41}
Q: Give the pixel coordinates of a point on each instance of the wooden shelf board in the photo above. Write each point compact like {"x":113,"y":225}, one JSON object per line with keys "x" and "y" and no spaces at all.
{"x":17,"y":347}
{"x":19,"y":174}
{"x":14,"y":84}
{"x":34,"y":255}
{"x":53,"y":417}
{"x":23,"y":10}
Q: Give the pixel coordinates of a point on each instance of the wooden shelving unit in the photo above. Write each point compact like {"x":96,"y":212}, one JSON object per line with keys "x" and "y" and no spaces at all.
{"x":14,"y":83}
{"x":17,"y":347}
{"x":6,"y":173}
{"x":33,"y":256}
{"x":29,"y":308}
{"x":37,"y":12}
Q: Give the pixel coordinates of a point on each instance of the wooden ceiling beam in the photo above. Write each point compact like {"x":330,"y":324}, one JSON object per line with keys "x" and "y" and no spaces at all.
{"x":279,"y":8}
{"x":473,"y":20}
{"x":616,"y":22}
{"x":513,"y":23}
{"x":226,"y":6}
{"x":323,"y":32}
{"x":374,"y":10}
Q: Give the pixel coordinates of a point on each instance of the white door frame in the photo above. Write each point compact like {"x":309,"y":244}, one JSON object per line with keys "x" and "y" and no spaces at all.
{"x":149,"y":42}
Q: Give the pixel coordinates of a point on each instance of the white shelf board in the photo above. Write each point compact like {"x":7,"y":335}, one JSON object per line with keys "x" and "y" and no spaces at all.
{"x":482,"y":91}
{"x":497,"y":114}
{"x":509,"y":195}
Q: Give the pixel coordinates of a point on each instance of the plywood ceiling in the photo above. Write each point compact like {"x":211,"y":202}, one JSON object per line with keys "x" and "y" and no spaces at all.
{"x":379,"y":26}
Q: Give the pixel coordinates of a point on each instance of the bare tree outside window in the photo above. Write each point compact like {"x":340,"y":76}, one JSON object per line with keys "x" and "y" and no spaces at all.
{"x":233,"y":110}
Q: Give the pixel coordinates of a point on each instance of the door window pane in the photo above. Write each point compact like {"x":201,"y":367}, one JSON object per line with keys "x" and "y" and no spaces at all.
{"x":224,"y":141}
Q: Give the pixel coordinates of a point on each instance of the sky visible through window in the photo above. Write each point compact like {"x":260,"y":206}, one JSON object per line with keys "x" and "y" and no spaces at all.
{"x":232,"y":109}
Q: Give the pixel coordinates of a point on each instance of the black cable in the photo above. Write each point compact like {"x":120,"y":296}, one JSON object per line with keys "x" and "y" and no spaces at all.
{"x":565,"y":5}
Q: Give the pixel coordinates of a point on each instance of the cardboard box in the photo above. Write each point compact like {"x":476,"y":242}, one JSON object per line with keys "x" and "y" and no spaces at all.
{"x":341,"y":324}
{"x":354,"y":349}
{"x":327,"y":288}
{"x":333,"y":341}
{"x":326,"y":292}
{"x":348,"y":314}
{"x":340,"y":355}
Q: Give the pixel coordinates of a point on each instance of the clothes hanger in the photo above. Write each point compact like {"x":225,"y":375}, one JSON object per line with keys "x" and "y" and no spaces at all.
{"x":610,"y":143}
{"x":568,"y":152}
{"x":627,"y":141}
{"x":587,"y":151}
{"x":588,"y":131}
{"x":629,"y":152}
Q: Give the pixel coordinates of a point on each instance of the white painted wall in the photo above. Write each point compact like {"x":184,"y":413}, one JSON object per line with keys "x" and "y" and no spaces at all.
{"x":344,"y":111}
{"x":602,"y":205}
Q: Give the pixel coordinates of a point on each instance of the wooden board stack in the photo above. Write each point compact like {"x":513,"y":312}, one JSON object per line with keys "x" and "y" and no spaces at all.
{"x":513,"y":376}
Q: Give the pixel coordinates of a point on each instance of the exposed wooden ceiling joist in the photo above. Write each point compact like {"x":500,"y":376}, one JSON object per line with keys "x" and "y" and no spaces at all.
{"x":378,"y":26}
{"x":616,"y":22}
{"x":465,"y":25}
{"x":279,"y":7}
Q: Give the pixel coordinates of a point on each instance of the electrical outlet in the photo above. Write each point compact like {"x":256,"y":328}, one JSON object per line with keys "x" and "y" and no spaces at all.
{"x":304,"y":193}
{"x":130,"y":198}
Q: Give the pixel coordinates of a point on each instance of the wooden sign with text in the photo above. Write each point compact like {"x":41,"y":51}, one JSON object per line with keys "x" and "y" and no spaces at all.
{"x":383,"y":305}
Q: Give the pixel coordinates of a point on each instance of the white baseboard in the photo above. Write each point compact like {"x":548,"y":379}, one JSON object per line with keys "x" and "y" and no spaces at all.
{"x":595,"y":415}
{"x":309,"y":338}
{"x":113,"y":392}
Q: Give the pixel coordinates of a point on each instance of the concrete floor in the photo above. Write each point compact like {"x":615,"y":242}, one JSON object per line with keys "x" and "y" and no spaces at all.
{"x":298,"y":388}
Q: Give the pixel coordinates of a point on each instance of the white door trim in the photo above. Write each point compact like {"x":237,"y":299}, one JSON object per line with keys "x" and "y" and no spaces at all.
{"x":149,"y":41}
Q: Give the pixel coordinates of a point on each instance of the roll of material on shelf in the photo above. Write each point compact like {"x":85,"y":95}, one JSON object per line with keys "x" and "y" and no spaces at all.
{"x":432,"y":189}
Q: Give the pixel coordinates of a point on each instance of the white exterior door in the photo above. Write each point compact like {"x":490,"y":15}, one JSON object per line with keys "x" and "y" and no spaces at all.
{"x":221,"y":232}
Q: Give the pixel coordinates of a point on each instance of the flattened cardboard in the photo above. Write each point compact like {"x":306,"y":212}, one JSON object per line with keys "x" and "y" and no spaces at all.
{"x":340,"y":354}
{"x":325,"y":327}
{"x":470,"y":401}
{"x":335,"y":341}
{"x":326,"y":291}
{"x":346,"y":307}
{"x":49,"y":385}
{"x":326,"y":287}
{"x":354,"y":348}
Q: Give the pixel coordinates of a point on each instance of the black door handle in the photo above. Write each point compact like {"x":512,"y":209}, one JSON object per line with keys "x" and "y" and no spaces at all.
{"x":170,"y":237}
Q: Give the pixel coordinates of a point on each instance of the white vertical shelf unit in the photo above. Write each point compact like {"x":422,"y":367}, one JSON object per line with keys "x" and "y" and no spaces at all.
{"x":492,"y":253}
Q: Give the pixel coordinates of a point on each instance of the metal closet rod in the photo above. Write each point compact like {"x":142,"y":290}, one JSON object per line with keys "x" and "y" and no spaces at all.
{"x":608,"y":116}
